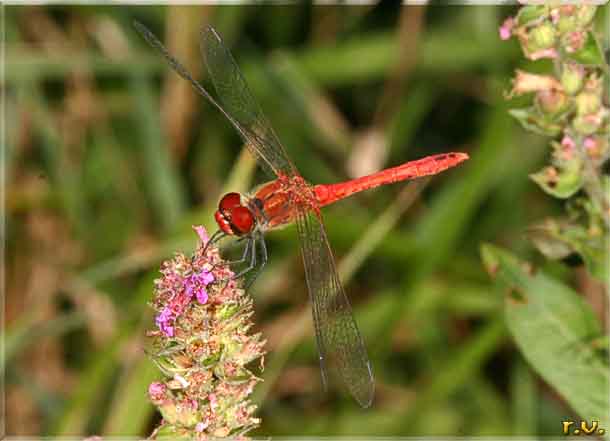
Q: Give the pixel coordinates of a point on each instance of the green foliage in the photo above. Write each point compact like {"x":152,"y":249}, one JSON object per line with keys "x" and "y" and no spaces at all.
{"x":532,"y":120}
{"x":554,"y":328}
{"x":562,"y":184}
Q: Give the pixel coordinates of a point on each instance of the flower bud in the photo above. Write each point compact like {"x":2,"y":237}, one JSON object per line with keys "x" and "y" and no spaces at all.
{"x":507,"y":28}
{"x":591,"y":146}
{"x":156,"y":392}
{"x":541,"y":37}
{"x":574,"y":41}
{"x":551,"y":101}
{"x":596,"y":147}
{"x":568,"y":148}
{"x":572,"y":75}
{"x":566,"y":23}
{"x":567,"y":10}
{"x":584,"y":15}
{"x":587,"y":102}
{"x":587,"y":124}
{"x":525,"y":82}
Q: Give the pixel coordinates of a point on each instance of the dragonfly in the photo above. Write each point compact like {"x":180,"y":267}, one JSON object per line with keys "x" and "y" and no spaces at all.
{"x":289,"y":198}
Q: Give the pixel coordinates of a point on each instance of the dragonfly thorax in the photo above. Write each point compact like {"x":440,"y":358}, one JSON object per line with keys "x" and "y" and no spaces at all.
{"x":233,"y":217}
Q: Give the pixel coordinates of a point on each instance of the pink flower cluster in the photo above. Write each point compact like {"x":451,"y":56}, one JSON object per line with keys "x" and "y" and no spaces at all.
{"x":203,"y":347}
{"x":180,"y":296}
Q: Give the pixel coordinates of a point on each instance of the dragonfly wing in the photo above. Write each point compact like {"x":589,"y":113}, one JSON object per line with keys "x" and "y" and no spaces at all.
{"x":340,"y":344}
{"x":239,"y":102}
{"x":246,"y":117}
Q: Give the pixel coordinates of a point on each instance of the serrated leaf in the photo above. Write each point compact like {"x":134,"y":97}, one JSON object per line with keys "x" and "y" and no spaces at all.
{"x":553,"y":328}
{"x":590,"y":53}
{"x":561,"y":184}
{"x":531,"y":120}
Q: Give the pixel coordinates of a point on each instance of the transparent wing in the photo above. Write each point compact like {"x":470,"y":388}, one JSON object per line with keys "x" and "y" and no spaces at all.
{"x":248,"y":120}
{"x":238,"y":101}
{"x":339,"y":341}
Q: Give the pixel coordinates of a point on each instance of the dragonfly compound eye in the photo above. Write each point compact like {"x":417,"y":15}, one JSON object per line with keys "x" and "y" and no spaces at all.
{"x":242,"y":220}
{"x":229,"y":201}
{"x":223,"y":223}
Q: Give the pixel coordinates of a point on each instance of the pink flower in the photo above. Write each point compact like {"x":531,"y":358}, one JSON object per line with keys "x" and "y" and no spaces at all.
{"x":182,"y":280}
{"x":592,"y":147}
{"x":506,"y":29}
{"x":567,"y":142}
{"x":201,"y":426}
{"x":567,"y":147}
{"x":576,"y":40}
{"x":202,"y":233}
{"x":156,"y":392}
{"x":213,"y":401}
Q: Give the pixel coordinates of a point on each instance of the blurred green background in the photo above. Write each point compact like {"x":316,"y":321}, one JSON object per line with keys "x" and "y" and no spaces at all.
{"x":111,"y":157}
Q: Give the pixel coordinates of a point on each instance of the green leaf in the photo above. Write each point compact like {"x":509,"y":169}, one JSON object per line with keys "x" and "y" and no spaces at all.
{"x":546,"y":237}
{"x":590,"y":53}
{"x":553,"y":327}
{"x":531,"y":120}
{"x":595,"y":254}
{"x":558,"y":238}
{"x":561,"y":184}
{"x":528,"y":14}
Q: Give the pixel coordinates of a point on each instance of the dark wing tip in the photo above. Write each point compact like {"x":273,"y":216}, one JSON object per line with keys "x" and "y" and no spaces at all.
{"x":150,"y":37}
{"x":140,"y":27}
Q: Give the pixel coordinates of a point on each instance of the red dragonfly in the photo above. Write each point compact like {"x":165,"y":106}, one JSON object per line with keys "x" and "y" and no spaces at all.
{"x":289,"y":198}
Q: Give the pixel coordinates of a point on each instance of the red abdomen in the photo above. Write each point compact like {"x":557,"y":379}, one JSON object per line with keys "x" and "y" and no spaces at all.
{"x":328,"y":193}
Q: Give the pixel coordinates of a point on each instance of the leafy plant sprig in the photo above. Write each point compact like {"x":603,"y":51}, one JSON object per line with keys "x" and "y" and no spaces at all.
{"x":554,"y":327}
{"x":568,"y":106}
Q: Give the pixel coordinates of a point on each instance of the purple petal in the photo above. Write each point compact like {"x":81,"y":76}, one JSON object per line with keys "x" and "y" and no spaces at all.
{"x":202,"y":296}
{"x":189,"y":289}
{"x":162,"y":322}
{"x":208,"y":278}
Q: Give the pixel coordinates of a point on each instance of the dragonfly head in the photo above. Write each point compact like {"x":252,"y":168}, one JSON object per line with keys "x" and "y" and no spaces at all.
{"x":233,"y":217}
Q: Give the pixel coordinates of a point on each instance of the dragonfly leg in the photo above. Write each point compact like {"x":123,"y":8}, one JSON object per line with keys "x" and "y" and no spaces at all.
{"x":230,"y":262}
{"x":244,"y":256}
{"x":252,"y":263}
{"x":257,"y":271}
{"x":219,"y":234}
{"x":250,"y":255}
